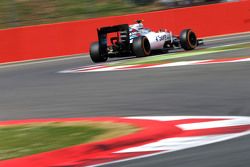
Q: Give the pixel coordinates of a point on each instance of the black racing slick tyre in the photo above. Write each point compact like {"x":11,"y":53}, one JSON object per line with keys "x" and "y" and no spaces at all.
{"x":95,"y":53}
{"x":141,"y":46}
{"x":188,"y":39}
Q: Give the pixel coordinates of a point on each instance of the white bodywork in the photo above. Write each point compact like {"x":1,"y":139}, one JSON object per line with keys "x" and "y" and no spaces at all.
{"x":157,"y":40}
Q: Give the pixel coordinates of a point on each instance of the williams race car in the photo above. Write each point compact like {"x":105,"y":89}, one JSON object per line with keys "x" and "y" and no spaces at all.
{"x":128,"y":40}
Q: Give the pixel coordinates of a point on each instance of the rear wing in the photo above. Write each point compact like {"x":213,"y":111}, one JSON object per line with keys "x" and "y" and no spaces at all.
{"x":122,"y":33}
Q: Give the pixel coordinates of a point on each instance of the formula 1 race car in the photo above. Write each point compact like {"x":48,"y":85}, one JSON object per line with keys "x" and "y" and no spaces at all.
{"x":128,"y":40}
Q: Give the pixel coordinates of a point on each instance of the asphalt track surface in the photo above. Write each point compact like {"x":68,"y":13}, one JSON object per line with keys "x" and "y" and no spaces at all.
{"x":37,"y":90}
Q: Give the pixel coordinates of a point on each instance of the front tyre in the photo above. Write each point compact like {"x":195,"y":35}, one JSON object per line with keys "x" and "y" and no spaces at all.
{"x":141,"y":46}
{"x":188,"y":39}
{"x":95,"y":53}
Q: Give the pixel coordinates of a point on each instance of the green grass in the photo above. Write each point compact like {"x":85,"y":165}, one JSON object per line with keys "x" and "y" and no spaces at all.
{"x":14,"y":13}
{"x":23,"y":140}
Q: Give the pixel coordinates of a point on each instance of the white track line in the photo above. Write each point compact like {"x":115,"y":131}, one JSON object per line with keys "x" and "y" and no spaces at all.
{"x":176,"y":118}
{"x":165,"y":152}
{"x":180,"y":143}
{"x":226,"y":38}
{"x":224,"y":35}
{"x":40,"y":61}
{"x":226,"y":45}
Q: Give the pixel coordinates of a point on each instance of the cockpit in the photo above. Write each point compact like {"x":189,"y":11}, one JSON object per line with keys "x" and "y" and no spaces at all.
{"x":138,"y":29}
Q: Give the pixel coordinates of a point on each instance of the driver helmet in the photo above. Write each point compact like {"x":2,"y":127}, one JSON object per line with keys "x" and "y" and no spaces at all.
{"x":138,"y":26}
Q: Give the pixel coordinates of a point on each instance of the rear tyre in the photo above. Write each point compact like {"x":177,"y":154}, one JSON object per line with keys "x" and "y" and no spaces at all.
{"x":96,"y":55}
{"x":141,"y":46}
{"x":188,"y":39}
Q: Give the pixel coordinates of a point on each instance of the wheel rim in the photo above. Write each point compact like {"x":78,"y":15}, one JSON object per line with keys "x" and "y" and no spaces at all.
{"x":192,"y":39}
{"x":146,"y":46}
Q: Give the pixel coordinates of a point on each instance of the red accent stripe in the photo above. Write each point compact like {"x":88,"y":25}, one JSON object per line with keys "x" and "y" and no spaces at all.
{"x":92,"y":68}
{"x":214,"y":131}
{"x":137,"y":66}
{"x":226,"y":60}
{"x":189,"y":121}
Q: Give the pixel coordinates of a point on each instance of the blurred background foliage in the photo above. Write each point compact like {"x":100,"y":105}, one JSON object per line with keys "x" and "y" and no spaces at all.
{"x":15,"y":13}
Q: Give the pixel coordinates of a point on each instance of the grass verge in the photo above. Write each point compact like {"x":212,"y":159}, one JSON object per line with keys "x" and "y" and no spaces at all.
{"x":23,"y":140}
